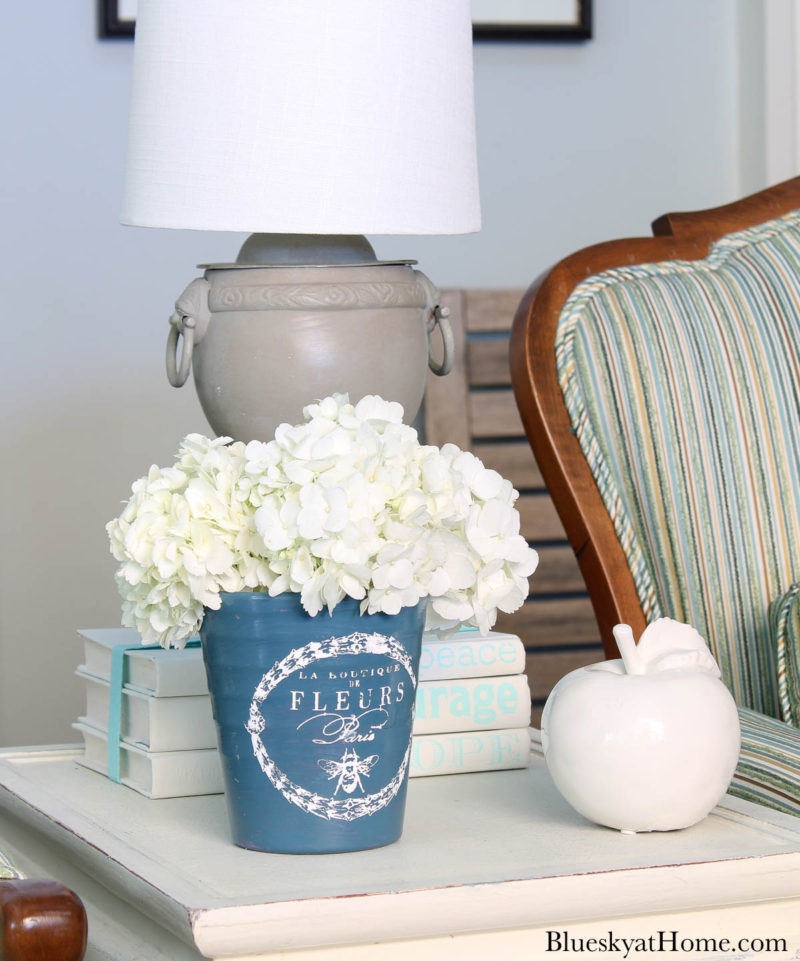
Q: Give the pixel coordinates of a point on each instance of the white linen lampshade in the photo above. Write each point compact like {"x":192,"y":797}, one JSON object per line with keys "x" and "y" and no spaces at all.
{"x":303,"y":116}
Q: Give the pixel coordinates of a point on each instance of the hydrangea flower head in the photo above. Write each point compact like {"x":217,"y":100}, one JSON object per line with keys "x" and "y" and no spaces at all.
{"x":347,"y":504}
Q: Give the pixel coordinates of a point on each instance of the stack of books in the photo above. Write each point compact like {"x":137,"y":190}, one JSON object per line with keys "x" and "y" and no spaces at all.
{"x":166,"y":742}
{"x":473,"y":705}
{"x":158,"y":736}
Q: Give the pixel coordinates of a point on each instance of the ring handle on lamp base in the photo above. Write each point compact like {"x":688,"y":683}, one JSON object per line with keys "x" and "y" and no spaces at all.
{"x":441,"y":319}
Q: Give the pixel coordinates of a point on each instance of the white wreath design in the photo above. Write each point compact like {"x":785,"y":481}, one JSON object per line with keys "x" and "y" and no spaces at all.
{"x":348,"y":809}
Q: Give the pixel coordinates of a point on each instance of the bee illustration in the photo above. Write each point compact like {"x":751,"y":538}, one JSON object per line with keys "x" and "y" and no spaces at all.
{"x":349,"y":770}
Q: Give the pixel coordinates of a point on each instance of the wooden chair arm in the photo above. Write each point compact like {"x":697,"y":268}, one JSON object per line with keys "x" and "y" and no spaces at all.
{"x":40,"y":921}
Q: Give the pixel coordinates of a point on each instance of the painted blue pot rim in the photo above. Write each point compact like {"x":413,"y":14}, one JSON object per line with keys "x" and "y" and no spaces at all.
{"x":259,"y":597}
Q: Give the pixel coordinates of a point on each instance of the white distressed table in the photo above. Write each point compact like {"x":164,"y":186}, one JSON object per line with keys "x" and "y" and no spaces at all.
{"x":489,"y":866}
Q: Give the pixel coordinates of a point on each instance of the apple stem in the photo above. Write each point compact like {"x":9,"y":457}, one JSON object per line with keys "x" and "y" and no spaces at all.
{"x":631,"y":658}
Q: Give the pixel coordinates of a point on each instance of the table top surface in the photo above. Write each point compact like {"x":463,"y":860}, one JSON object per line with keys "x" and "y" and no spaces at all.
{"x":477,"y":834}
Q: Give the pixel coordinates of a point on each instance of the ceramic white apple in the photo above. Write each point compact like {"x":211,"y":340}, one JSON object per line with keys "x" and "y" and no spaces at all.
{"x":646,"y":743}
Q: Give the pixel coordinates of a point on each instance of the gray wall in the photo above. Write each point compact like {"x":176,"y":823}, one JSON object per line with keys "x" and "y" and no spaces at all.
{"x":578,"y":143}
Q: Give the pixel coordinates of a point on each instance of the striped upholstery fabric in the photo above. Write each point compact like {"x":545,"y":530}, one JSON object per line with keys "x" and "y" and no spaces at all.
{"x":682,"y":380}
{"x":769,"y":763}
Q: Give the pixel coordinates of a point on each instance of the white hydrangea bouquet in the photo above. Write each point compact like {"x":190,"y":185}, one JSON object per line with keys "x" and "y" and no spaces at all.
{"x":347,"y":504}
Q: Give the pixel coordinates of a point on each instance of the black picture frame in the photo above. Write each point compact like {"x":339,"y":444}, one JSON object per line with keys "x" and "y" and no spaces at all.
{"x":110,"y":24}
{"x":579,"y":28}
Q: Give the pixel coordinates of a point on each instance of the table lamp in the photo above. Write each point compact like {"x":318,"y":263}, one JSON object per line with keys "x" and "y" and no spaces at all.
{"x":308,"y":124}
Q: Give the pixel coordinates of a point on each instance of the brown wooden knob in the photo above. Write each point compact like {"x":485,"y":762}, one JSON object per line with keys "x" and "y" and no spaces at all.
{"x":40,"y":921}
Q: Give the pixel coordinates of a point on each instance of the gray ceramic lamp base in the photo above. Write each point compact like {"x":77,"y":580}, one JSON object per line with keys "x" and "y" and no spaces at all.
{"x":300,"y":321}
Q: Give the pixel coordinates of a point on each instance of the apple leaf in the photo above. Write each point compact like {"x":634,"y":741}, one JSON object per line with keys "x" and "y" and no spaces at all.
{"x":669,"y":645}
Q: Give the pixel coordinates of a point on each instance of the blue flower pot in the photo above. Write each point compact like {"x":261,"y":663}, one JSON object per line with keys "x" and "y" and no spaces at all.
{"x":314,"y":719}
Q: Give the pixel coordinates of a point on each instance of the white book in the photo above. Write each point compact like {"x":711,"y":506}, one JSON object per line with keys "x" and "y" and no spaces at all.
{"x":472,"y":704}
{"x":465,"y":704}
{"x":156,"y":671}
{"x":470,"y":654}
{"x":154,"y":774}
{"x":192,"y":773}
{"x":463,"y":752}
{"x":172,"y":673}
{"x":154,"y":723}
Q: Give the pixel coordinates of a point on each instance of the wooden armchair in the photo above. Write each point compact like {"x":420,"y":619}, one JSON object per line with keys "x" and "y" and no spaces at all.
{"x":658,"y":381}
{"x":39,"y":920}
